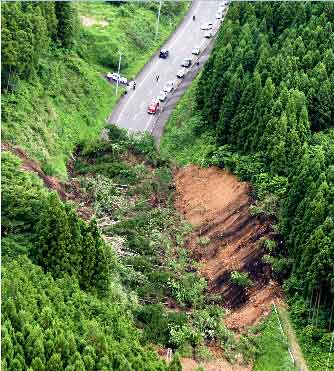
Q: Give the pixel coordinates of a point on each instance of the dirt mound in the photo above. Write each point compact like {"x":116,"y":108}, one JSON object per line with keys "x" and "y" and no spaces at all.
{"x":225,"y":239}
{"x":67,"y":191}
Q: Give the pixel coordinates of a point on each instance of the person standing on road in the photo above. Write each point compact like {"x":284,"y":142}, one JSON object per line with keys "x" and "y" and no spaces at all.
{"x":194,"y":17}
{"x":134,"y":85}
{"x":157,"y":77}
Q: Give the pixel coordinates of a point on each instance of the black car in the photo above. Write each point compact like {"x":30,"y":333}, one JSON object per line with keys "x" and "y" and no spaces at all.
{"x":186,"y":63}
{"x":163,"y":53}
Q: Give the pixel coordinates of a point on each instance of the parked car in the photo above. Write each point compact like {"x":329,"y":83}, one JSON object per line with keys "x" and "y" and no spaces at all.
{"x":206,"y":26}
{"x":208,"y":35}
{"x":181,"y":72}
{"x":186,"y":62}
{"x":162,"y":96}
{"x":113,"y":76}
{"x":196,"y":50}
{"x":164,"y":53}
{"x":169,"y":86}
{"x":117,"y":77}
{"x":153,"y":107}
{"x":219,"y":15}
{"x":123,"y":80}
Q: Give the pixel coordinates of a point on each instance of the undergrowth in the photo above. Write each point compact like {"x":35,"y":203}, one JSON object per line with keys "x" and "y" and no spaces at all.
{"x":67,"y":100}
{"x":135,"y":210}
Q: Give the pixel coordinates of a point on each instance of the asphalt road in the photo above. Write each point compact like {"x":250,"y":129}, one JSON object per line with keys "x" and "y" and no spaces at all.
{"x":131,"y":111}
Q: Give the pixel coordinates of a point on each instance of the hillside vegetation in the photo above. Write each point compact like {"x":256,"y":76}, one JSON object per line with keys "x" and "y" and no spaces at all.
{"x":76,"y":299}
{"x":263,"y":108}
{"x":55,"y":95}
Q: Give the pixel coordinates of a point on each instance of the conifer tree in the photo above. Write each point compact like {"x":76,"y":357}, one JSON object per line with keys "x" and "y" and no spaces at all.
{"x":67,"y":23}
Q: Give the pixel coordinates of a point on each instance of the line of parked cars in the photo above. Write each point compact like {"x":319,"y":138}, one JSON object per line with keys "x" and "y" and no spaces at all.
{"x":117,"y":77}
{"x":207,"y":27}
{"x":169,"y":86}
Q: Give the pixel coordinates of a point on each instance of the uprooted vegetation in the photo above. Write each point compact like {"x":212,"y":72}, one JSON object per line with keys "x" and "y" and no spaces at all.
{"x":133,"y":194}
{"x":140,"y":260}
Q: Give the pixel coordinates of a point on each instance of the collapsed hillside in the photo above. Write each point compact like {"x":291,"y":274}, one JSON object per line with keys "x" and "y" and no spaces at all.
{"x":227,"y":238}
{"x":262,"y":108}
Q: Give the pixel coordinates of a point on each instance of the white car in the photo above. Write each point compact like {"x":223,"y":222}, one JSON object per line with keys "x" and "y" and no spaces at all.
{"x":123,"y":80}
{"x":169,"y":86}
{"x":206,"y":26}
{"x":113,"y":76}
{"x":186,"y":62}
{"x":196,"y":50}
{"x":208,"y":35}
{"x":181,"y":72}
{"x":162,"y":96}
{"x":219,"y":15}
{"x":117,"y":77}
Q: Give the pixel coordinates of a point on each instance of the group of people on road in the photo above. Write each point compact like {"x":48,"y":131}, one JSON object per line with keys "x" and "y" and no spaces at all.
{"x":133,"y":84}
{"x":156,"y":77}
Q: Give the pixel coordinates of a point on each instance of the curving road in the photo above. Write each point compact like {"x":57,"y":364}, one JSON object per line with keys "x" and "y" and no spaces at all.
{"x":131,"y":111}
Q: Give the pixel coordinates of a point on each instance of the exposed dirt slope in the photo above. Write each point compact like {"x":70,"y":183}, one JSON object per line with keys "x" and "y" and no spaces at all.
{"x":225,"y":239}
{"x":67,"y":191}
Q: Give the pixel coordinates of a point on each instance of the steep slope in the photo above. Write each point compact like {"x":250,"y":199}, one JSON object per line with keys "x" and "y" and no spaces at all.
{"x":225,"y":239}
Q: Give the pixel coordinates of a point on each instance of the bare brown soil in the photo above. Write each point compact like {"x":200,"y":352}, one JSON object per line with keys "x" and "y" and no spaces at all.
{"x":67,"y":191}
{"x":225,"y":239}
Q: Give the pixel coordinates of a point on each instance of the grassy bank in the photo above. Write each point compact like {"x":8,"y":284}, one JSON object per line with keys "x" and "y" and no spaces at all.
{"x":273,"y":347}
{"x":181,"y":140}
{"x":67,"y":101}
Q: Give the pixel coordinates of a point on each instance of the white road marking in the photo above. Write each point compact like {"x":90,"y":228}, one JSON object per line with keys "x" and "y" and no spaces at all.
{"x":185,"y":26}
{"x":153,"y":66}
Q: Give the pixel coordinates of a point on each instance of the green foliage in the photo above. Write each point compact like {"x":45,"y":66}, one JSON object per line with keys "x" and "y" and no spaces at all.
{"x":203,"y":241}
{"x":22,"y":197}
{"x":54,"y":325}
{"x":66,"y":244}
{"x":149,"y":238}
{"x":53,"y":66}
{"x":273,"y":348}
{"x":64,"y":105}
{"x":68,"y":23}
{"x":175,"y":364}
{"x":129,"y":28}
{"x":268,"y":244}
{"x":181,"y":140}
{"x":188,"y":289}
{"x":240,"y":279}
{"x":261,"y":109}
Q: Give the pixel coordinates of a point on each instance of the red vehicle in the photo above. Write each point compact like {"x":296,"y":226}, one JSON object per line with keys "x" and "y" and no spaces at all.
{"x":153,"y":107}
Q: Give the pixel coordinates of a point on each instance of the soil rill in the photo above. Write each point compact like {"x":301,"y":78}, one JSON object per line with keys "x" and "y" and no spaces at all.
{"x":226,"y":239}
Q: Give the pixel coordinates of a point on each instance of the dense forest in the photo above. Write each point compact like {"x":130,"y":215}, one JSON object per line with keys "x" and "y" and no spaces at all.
{"x":82,"y":292}
{"x":91,"y":294}
{"x":69,"y":303}
{"x":263,"y":107}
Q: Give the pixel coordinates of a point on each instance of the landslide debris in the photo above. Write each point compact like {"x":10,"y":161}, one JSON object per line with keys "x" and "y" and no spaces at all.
{"x":226,"y":238}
